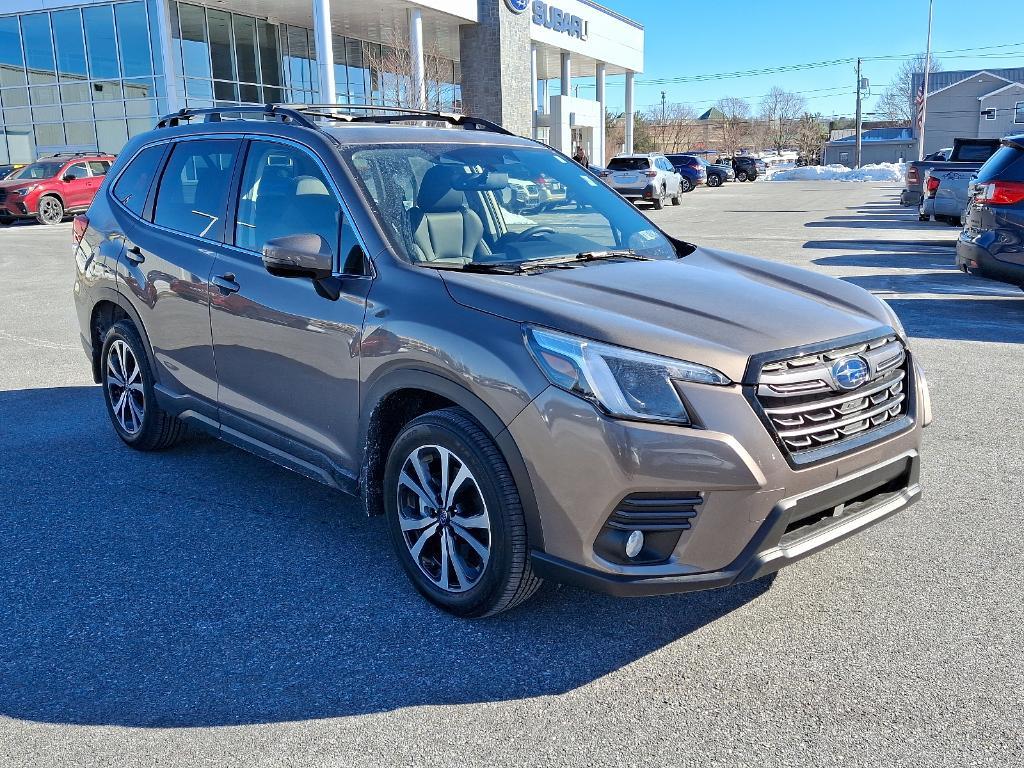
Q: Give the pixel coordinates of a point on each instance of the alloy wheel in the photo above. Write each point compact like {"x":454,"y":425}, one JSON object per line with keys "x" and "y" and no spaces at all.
{"x":125,"y":388}
{"x":50,"y":210}
{"x":444,"y":518}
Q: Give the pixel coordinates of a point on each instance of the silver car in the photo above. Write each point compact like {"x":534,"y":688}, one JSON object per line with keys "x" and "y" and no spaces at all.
{"x":648,"y":177}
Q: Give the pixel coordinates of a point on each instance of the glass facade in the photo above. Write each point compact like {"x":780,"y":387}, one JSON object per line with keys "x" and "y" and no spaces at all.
{"x":76,"y":78}
{"x":90,"y":77}
{"x":226,"y":58}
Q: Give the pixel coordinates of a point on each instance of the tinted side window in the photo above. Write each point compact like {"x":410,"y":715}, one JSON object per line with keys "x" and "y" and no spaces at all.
{"x":284,"y":192}
{"x":193,"y":189}
{"x":133,"y":185}
{"x":974,"y":152}
{"x":78,"y":170}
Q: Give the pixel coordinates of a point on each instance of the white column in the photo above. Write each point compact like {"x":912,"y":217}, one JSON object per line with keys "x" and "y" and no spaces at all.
{"x":324,"y":50}
{"x":419,"y":80}
{"x":545,"y":108}
{"x":533,"y":88}
{"x":175,"y":99}
{"x":629,"y":111}
{"x":566,"y":73}
{"x":599,"y":144}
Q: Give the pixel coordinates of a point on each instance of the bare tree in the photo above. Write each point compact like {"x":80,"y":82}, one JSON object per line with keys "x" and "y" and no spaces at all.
{"x":779,"y":111}
{"x":392,"y":75}
{"x":897,"y":102}
{"x":810,"y":133}
{"x":673,"y":128}
{"x":735,"y":122}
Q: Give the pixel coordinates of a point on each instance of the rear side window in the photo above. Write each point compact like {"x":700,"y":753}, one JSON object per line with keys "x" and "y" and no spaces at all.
{"x":1007,"y":164}
{"x":629,"y":164}
{"x":283,"y":193}
{"x":193,"y":189}
{"x":133,"y":185}
{"x":99,"y":167}
{"x":973,"y":153}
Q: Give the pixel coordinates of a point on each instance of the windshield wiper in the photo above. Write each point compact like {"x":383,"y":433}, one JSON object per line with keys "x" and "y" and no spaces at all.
{"x":598,"y":255}
{"x":522,"y":267}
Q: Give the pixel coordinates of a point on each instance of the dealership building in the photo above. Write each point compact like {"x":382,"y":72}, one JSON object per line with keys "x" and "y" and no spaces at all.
{"x":86,"y":76}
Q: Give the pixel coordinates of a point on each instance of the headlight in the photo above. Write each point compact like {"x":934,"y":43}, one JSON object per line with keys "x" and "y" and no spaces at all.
{"x":25,"y":190}
{"x":623,"y":382}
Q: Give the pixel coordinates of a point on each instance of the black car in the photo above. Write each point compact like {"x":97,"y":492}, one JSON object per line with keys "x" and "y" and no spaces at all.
{"x":746,"y":168}
{"x":7,"y":169}
{"x":992,"y":241}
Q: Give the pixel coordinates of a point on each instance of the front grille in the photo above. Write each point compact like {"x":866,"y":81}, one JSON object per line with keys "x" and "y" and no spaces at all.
{"x":807,"y":409}
{"x":655,"y":512}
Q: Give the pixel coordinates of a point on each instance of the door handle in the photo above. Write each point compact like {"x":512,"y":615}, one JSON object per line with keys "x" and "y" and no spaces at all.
{"x":134,"y":254}
{"x":226,"y":282}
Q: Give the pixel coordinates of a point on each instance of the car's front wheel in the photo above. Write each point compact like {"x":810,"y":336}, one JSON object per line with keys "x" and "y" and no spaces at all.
{"x":455,"y":517}
{"x":51,"y":210}
{"x":128,"y":392}
{"x":714,"y":181}
{"x":741,"y":176}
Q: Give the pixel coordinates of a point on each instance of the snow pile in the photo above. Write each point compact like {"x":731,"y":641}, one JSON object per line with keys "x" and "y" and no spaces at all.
{"x":873,"y":172}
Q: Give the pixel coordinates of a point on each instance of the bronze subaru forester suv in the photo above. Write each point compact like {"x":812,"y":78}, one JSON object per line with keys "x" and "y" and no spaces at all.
{"x":570,"y":395}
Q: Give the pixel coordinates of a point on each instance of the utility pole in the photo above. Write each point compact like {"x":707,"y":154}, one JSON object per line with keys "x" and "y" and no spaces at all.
{"x":663,"y":126}
{"x":860,"y":125}
{"x":924,"y":92}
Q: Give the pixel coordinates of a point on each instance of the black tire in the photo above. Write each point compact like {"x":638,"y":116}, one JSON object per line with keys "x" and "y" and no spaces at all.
{"x":741,"y":175}
{"x":677,"y":198}
{"x":506,"y":579}
{"x":685,"y":186}
{"x":714,"y":180}
{"x":51,"y":210}
{"x":6,"y":221}
{"x":156,"y":429}
{"x":923,"y":217}
{"x":659,"y":201}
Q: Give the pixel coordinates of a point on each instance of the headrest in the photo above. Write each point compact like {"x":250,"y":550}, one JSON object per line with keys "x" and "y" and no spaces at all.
{"x":437,"y":190}
{"x":310,"y":185}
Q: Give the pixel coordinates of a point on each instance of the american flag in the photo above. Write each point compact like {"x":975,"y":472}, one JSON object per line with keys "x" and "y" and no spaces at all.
{"x":919,"y":104}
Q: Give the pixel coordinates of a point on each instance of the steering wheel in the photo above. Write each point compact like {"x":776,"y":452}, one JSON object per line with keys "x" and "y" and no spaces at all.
{"x":539,"y":229}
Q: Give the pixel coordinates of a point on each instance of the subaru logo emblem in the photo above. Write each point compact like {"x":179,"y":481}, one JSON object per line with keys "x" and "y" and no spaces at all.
{"x":517,"y":6}
{"x":849,"y":372}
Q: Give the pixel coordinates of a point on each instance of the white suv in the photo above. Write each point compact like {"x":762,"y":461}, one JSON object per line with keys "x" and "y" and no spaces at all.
{"x":644,"y":177}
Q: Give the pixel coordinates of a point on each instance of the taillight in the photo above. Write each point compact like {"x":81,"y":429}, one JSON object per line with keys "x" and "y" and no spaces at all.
{"x":651,"y":174}
{"x":932,"y":186}
{"x":604,"y":174}
{"x":79,"y":226}
{"x":695,"y":166}
{"x":1001,"y":192}
{"x":913,"y":175}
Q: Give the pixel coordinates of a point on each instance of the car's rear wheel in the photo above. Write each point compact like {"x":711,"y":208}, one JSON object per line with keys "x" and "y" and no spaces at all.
{"x":677,"y":198}
{"x":685,"y":185}
{"x":6,"y":221}
{"x":51,"y":210}
{"x":714,"y":180}
{"x":659,"y":200}
{"x":741,"y":176}
{"x":128,"y":392}
{"x":455,"y":517}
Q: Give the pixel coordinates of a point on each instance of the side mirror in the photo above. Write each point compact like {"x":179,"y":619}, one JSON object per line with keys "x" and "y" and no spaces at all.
{"x":69,"y":177}
{"x":305,"y":255}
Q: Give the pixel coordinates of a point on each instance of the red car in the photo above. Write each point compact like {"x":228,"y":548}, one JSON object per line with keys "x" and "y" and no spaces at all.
{"x":53,"y":187}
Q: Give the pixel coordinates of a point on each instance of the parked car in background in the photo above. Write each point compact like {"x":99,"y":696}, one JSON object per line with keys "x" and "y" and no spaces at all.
{"x":588,"y":400}
{"x":945,"y":195}
{"x":648,"y":177}
{"x":719,"y":173}
{"x":8,"y":169}
{"x":691,"y":168}
{"x":992,"y":241}
{"x":745,"y":167}
{"x":967,"y":155}
{"x":52,"y":187}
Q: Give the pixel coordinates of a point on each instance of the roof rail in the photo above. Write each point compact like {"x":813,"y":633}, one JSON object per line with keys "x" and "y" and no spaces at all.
{"x":73,"y":154}
{"x":301,"y":114}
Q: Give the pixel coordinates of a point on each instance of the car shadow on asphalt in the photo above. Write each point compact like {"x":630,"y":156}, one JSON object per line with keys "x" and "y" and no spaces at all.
{"x":201,"y":586}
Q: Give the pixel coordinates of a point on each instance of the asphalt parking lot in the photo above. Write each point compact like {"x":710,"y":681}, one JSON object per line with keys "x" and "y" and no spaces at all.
{"x":203,"y":607}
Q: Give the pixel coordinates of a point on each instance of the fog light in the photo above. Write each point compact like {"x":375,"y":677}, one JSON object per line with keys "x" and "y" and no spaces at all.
{"x":634,"y":543}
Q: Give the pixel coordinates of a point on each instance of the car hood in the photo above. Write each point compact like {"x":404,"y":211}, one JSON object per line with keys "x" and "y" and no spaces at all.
{"x":710,"y":307}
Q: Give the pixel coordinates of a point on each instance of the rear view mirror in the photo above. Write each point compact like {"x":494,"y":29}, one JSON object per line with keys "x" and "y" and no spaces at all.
{"x":305,"y":255}
{"x":69,"y":177}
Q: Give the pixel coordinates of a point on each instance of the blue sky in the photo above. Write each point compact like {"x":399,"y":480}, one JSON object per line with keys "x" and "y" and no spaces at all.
{"x":685,"y":38}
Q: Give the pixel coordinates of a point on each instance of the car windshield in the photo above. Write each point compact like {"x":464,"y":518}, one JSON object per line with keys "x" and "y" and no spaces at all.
{"x":456,"y":205}
{"x":40,"y":170}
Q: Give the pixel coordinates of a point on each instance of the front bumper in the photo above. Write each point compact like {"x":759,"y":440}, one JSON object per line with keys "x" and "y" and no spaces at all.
{"x":882,"y":490}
